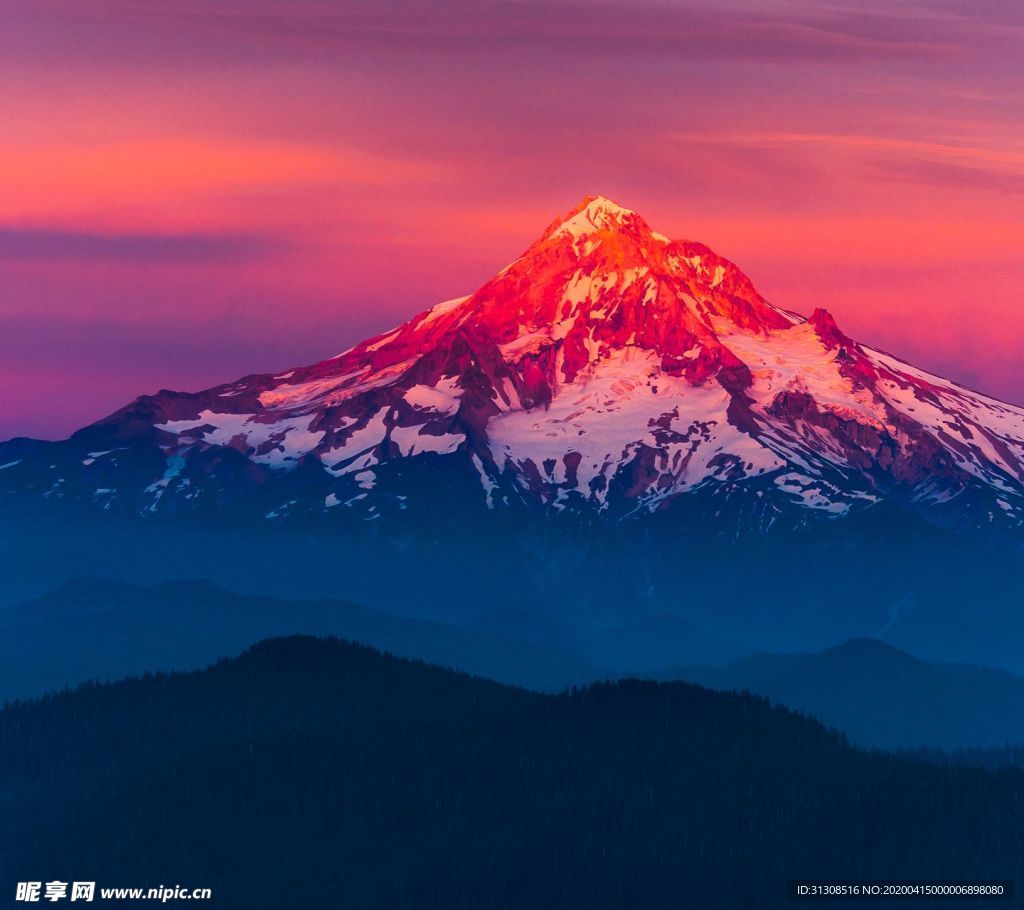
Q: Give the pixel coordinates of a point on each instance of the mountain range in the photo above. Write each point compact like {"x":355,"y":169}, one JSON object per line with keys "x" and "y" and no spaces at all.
{"x":97,"y":629}
{"x":875,"y":694}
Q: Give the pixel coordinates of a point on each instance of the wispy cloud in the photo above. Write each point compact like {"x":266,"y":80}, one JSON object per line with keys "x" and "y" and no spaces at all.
{"x":891,"y":157}
{"x":37,"y":180}
{"x":853,"y":141}
{"x":55,"y":245}
{"x":826,"y":32}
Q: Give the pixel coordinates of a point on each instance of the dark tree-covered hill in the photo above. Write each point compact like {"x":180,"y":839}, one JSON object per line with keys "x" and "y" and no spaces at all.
{"x":311,"y":772}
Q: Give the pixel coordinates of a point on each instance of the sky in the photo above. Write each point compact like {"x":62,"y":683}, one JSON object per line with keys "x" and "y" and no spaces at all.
{"x":195,"y":190}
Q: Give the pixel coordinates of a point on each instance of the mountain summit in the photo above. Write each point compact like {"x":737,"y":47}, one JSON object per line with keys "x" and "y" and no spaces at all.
{"x":608,"y":370}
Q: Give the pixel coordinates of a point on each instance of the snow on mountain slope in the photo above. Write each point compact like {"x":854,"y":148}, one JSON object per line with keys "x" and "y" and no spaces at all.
{"x":608,"y":368}
{"x":621,"y":407}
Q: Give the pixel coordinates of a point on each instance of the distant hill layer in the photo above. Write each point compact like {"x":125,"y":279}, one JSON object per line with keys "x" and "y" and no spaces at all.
{"x":883,"y":697}
{"x":99,"y":629}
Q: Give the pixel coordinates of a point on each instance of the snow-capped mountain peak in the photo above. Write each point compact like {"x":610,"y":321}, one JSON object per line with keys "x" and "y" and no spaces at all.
{"x":597,"y":213}
{"x":608,"y":369}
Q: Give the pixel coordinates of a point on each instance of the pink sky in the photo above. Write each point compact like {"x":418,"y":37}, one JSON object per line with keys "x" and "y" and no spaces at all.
{"x":195,"y":190}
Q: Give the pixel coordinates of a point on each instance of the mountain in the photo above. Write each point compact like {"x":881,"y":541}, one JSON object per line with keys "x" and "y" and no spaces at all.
{"x":310,"y":772}
{"x":102,"y":629}
{"x":881,"y":697}
{"x":608,"y":370}
{"x":616,"y":436}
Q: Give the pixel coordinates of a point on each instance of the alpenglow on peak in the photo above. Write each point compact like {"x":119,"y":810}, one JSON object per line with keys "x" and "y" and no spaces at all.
{"x":594,"y":213}
{"x":607,"y":368}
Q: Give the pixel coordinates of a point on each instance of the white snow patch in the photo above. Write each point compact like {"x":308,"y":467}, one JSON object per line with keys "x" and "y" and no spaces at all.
{"x":609,"y":412}
{"x":796,"y":359}
{"x":442,"y":398}
{"x":441,"y":309}
{"x":360,"y":440}
{"x":413,"y":441}
{"x":279,"y":443}
{"x":377,"y":345}
{"x":290,"y":395}
{"x":529,"y":343}
{"x":485,"y":479}
{"x":990,"y":430}
{"x":599,"y":213}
